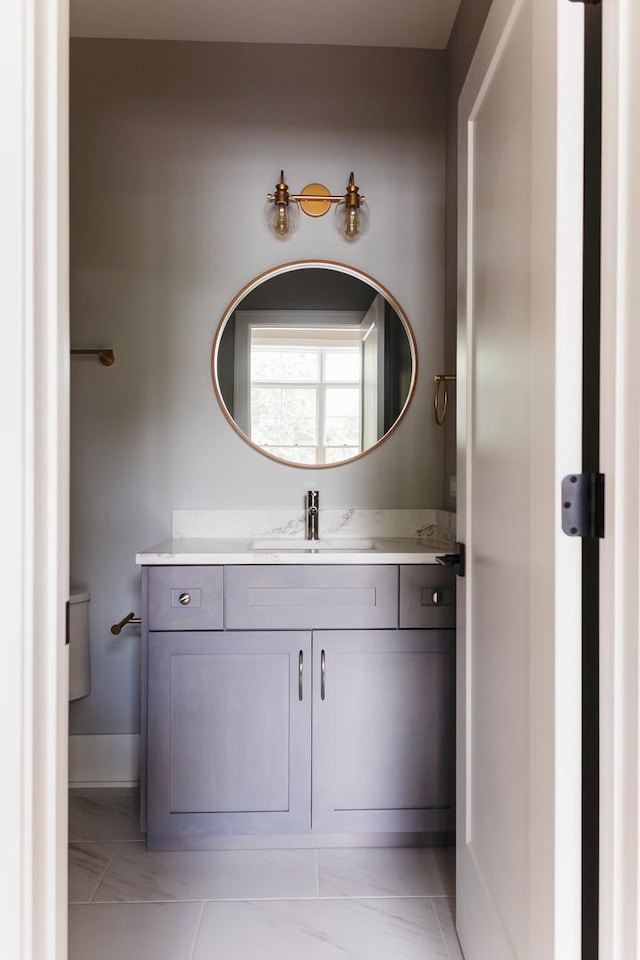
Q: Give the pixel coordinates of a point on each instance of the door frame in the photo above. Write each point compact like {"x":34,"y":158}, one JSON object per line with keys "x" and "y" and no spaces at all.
{"x":34,"y":391}
{"x":34,"y":395}
{"x":619,"y":932}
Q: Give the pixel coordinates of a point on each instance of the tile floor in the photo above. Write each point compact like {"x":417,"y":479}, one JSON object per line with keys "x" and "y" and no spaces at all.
{"x":128,"y":904}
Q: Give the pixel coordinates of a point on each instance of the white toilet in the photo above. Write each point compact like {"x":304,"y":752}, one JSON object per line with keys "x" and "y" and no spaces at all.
{"x":79,"y":664}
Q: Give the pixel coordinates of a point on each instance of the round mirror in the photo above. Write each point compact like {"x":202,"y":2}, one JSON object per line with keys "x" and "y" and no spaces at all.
{"x":314,"y":363}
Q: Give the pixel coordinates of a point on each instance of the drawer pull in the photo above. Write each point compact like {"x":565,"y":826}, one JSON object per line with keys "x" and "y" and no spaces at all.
{"x":322,"y":674}
{"x":436,"y":598}
{"x":300,"y":674}
{"x":184,"y":599}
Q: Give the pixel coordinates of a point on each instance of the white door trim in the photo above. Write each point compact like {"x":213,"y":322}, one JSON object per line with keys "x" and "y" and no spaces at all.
{"x":620,"y":462}
{"x":34,"y":476}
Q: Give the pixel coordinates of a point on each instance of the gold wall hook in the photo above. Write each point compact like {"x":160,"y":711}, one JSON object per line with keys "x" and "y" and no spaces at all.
{"x":441,"y":396}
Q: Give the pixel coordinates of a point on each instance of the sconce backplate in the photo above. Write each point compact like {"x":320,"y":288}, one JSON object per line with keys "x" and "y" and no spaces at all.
{"x":315,"y":207}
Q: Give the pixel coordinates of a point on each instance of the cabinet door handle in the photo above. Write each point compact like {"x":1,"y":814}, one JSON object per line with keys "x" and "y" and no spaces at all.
{"x":184,"y":599}
{"x":300,"y":674}
{"x":322,"y":673}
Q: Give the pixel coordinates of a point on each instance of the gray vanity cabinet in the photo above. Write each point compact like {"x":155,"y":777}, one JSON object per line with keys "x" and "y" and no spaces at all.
{"x":308,"y":701}
{"x":229,"y":735}
{"x":383,"y":730}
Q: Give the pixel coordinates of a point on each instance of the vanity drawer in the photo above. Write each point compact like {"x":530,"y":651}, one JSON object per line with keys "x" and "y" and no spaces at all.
{"x":427,"y":596}
{"x":186,"y":598}
{"x":293,"y":598}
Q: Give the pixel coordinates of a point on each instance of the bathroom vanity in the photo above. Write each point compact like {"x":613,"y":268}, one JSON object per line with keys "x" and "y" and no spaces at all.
{"x":298,"y":670}
{"x":296,"y":695}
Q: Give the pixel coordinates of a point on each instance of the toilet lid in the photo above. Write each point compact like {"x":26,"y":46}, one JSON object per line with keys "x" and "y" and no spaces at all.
{"x":78,"y":594}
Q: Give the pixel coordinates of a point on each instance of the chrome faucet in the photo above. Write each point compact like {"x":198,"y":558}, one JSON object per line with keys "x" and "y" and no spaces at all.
{"x":313,"y":515}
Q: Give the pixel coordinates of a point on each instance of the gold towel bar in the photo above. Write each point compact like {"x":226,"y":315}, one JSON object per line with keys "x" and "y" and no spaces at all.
{"x":442,"y":382}
{"x":105,"y":355}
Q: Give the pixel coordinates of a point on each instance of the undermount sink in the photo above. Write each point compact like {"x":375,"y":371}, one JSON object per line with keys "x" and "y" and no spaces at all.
{"x":288,"y":543}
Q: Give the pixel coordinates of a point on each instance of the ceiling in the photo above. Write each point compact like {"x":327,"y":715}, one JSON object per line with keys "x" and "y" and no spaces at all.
{"x":368,"y":23}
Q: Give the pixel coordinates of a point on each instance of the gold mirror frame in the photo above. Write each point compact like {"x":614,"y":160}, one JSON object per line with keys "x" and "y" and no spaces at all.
{"x":290,"y":268}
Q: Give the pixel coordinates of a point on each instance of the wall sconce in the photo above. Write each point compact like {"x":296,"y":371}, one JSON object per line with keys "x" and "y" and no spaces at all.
{"x":282,"y":209}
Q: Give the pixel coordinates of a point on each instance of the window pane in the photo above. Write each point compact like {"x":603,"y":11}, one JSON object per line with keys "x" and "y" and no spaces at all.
{"x":299,"y":402}
{"x":335,"y":454}
{"x":294,"y":366}
{"x":300,"y":365}
{"x":283,"y":415}
{"x":297,"y":454}
{"x":342,"y":430}
{"x":342,"y":365}
{"x":266,"y":430}
{"x":342,"y":402}
{"x":266,"y":402}
{"x":265,"y":364}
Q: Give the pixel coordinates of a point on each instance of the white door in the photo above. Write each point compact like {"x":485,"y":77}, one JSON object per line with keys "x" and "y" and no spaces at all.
{"x":519,"y":370}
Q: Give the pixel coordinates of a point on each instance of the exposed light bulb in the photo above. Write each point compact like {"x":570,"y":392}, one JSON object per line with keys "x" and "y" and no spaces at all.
{"x":351,"y":223}
{"x":281,"y":215}
{"x":351,"y":220}
{"x":281,"y":224}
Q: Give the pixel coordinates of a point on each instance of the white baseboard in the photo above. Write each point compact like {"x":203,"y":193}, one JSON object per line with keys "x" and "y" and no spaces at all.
{"x":104,"y":760}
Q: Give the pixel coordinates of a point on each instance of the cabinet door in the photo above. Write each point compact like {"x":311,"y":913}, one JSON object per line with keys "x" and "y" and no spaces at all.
{"x":229,"y":735}
{"x":383,"y":730}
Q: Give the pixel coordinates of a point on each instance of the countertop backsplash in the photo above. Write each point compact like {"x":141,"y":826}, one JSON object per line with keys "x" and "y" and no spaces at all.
{"x":437,"y":525}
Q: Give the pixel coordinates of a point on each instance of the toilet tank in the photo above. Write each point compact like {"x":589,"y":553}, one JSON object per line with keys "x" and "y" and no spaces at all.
{"x":79,"y":663}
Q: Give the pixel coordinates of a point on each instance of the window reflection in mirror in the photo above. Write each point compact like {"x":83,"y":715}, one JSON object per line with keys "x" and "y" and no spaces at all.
{"x":305,"y":393}
{"x":314,"y":364}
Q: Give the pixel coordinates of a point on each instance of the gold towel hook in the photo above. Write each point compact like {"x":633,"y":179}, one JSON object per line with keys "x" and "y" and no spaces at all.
{"x":440,"y":407}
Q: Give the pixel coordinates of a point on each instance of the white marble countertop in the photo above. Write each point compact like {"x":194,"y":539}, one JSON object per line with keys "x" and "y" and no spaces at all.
{"x":181,"y":551}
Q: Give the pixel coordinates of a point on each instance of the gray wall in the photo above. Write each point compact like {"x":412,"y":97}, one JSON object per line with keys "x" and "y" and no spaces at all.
{"x":173,"y":148}
{"x":462,"y":44}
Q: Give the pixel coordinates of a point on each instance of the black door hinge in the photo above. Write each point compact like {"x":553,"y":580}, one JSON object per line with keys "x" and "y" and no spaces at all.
{"x":456,"y":561}
{"x":583,"y":505}
{"x":67,"y":614}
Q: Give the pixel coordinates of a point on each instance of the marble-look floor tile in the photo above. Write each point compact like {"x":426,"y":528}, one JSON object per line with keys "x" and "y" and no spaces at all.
{"x":137,"y":874}
{"x":387,"y":872}
{"x":102,"y":817}
{"x":141,"y":931}
{"x":87,"y":864}
{"x":445,"y":909}
{"x":320,"y":930}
